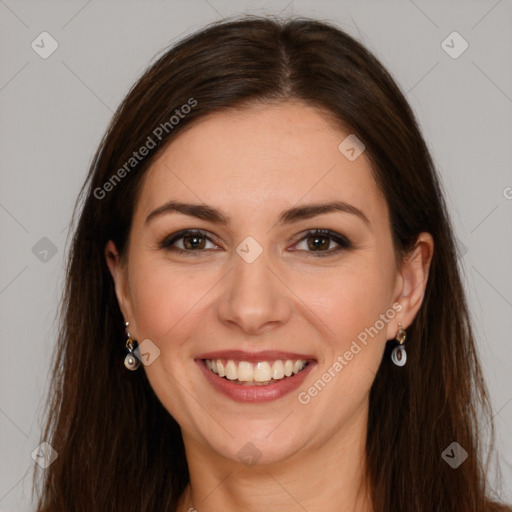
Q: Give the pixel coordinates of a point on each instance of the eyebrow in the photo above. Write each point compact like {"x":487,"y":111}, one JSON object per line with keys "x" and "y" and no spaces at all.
{"x":294,"y":214}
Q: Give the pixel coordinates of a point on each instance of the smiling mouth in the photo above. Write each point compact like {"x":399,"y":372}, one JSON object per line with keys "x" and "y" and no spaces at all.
{"x":261,"y":373}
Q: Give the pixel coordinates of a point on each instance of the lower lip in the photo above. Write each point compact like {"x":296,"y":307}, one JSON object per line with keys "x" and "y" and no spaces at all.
{"x":255,"y":394}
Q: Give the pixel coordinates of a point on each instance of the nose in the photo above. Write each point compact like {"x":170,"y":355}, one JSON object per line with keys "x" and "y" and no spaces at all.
{"x":255,"y":300}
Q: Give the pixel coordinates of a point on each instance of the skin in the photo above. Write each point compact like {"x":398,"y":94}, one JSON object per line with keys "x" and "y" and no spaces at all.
{"x":253,"y":164}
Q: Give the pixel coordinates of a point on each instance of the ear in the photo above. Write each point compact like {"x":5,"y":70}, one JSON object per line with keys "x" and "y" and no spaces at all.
{"x":119,"y":273}
{"x":412,"y":282}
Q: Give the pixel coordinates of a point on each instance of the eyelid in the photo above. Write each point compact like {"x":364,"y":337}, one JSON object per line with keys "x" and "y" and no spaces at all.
{"x":341,"y":240}
{"x":174,"y":237}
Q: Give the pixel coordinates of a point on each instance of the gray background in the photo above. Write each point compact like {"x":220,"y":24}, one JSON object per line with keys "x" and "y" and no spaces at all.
{"x":54,"y":111}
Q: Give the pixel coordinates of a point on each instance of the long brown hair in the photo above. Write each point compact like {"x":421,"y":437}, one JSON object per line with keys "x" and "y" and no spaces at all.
{"x":118,"y":447}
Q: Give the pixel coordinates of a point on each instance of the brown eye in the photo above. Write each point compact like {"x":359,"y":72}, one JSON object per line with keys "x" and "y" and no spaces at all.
{"x":319,"y":241}
{"x":193,"y":241}
{"x":186,"y":242}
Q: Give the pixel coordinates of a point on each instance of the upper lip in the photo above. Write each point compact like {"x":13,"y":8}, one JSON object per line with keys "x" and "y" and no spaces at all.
{"x":254,"y":357}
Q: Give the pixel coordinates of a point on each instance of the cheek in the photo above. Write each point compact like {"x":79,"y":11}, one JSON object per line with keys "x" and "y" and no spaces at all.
{"x":162,"y":296}
{"x":349,"y":298}
{"x":352,"y":303}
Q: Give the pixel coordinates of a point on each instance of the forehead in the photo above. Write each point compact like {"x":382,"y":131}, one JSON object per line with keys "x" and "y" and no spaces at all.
{"x":261,"y":157}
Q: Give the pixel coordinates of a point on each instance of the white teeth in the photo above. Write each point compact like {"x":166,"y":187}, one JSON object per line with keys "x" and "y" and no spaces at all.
{"x":288,"y":368}
{"x":297,"y":366}
{"x":260,"y":373}
{"x":231,"y":371}
{"x":278,"y":370}
{"x":245,"y":371}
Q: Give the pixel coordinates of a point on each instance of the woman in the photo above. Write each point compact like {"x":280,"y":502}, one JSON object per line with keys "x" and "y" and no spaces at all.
{"x":264,"y":243}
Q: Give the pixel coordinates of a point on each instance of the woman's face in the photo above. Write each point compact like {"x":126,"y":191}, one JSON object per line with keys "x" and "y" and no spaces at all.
{"x":255,"y":289}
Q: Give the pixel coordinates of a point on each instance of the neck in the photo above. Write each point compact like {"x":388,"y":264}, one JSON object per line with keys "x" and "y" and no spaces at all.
{"x":327,"y":477}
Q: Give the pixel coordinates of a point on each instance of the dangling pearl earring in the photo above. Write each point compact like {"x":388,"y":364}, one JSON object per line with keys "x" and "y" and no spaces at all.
{"x":130,"y":361}
{"x":399,"y":356}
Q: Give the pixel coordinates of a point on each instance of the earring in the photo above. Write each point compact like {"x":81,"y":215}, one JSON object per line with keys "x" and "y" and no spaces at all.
{"x":130,"y":361}
{"x":399,"y":356}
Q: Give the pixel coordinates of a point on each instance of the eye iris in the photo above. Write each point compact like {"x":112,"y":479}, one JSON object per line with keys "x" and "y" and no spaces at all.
{"x":316,"y":242}
{"x":195,"y":239}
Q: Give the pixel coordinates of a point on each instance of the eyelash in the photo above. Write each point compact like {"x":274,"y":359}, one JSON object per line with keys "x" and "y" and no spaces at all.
{"x":343,"y":242}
